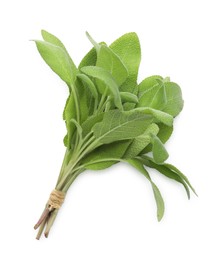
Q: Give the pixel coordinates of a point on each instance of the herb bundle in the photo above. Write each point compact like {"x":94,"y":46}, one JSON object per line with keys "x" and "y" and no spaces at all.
{"x":109,"y":117}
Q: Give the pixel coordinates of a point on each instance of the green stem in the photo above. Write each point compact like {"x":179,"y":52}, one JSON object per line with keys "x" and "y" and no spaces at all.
{"x":86,"y":144}
{"x":107,"y":105}
{"x":71,"y":180}
{"x":50,"y":222}
{"x":63,"y":166}
{"x":41,"y":229}
{"x":89,"y":145}
{"x":95,"y":105}
{"x":102,"y":100}
{"x":74,"y":92}
{"x":87,"y":136}
{"x":66,"y":175}
{"x":77,"y":107}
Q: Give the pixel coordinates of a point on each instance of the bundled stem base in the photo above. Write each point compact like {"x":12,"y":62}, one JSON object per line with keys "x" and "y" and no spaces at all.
{"x":50,"y":212}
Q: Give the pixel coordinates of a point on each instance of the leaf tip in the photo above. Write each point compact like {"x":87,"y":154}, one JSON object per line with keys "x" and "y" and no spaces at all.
{"x":159,"y":218}
{"x":160,"y":215}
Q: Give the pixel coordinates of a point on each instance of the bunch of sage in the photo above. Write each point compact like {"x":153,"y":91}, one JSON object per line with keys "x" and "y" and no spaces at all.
{"x":111,"y":118}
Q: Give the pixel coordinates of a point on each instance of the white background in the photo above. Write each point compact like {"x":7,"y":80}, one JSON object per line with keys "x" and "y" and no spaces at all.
{"x":109,"y":214}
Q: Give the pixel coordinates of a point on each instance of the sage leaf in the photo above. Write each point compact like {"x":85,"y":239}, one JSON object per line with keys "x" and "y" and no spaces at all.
{"x":48,"y":37}
{"x":170,"y":171}
{"x":148,"y":83}
{"x":128,"y":97}
{"x":57,"y":59}
{"x":96,"y":45}
{"x":108,"y":60}
{"x":86,"y":100}
{"x":89,"y":59}
{"x":160,"y":154}
{"x":141,"y":141}
{"x":179,"y":173}
{"x":157,"y":114}
{"x":88,"y":124}
{"x":100,"y":164}
{"x":157,"y":195}
{"x":165,"y":132}
{"x":117,"y":125}
{"x":68,"y":114}
{"x":105,"y":155}
{"x":155,"y":97}
{"x":127,"y":47}
{"x":105,"y":76}
{"x":162,"y":95}
{"x":174,"y":103}
{"x":90,"y":84}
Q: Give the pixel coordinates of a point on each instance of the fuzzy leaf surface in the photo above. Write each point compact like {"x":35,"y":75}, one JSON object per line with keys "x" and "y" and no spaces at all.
{"x":89,"y":59}
{"x":117,"y":125}
{"x":105,"y":155}
{"x":140,"y":142}
{"x":48,"y":37}
{"x":174,"y":99}
{"x":157,"y":114}
{"x":108,"y":60}
{"x":160,"y":154}
{"x":57,"y":59}
{"x":148,"y":83}
{"x":127,"y":47}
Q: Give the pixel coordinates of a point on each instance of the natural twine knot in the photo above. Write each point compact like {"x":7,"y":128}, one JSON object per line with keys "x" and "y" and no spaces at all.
{"x":56,"y":199}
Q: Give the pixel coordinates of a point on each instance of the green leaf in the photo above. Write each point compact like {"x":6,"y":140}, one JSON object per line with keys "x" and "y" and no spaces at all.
{"x":157,"y":195}
{"x":168,"y":172}
{"x":65,"y":140}
{"x":154,"y":97}
{"x":164,"y":132}
{"x":160,"y":154}
{"x":90,"y":84}
{"x":157,"y":114}
{"x":105,"y":155}
{"x":68,"y":114}
{"x":117,"y":125}
{"x":70,"y":110}
{"x":57,"y":59}
{"x":127,"y":47}
{"x":148,"y":83}
{"x":159,"y":201}
{"x":109,"y":61}
{"x":48,"y":37}
{"x":105,"y":76}
{"x":160,"y":94}
{"x":89,"y":59}
{"x":128,"y":97}
{"x":174,"y":99}
{"x":179,"y":173}
{"x":85,"y":98}
{"x":96,"y":45}
{"x":78,"y":126}
{"x":100,"y":164}
{"x":140,"y":142}
{"x":90,"y":122}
